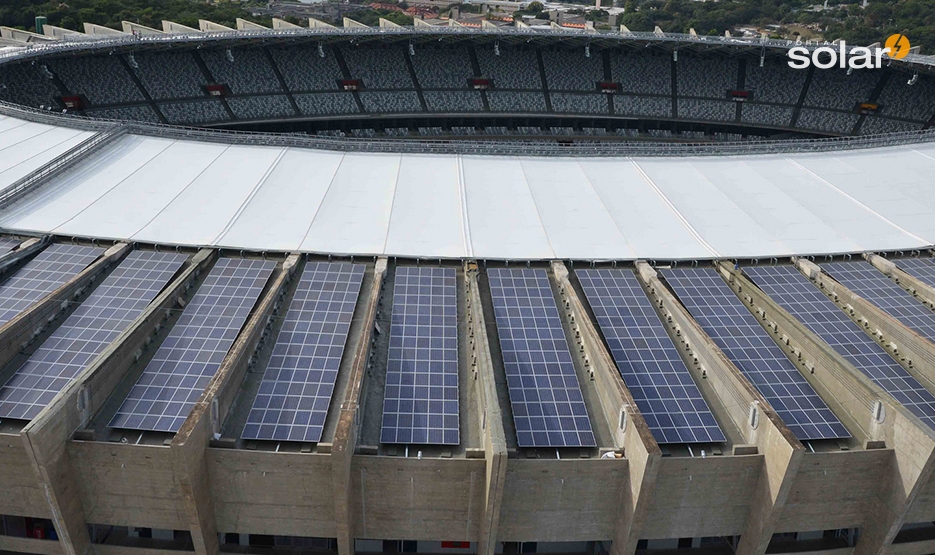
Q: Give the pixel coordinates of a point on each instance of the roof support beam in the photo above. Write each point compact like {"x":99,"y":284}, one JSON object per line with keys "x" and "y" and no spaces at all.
{"x":635,"y":439}
{"x":189,"y":445}
{"x":45,"y":438}
{"x":345,"y":435}
{"x":494,"y":440}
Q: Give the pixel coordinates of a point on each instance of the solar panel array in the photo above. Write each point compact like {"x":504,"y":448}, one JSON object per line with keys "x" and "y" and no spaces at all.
{"x":192,"y":353}
{"x":113,"y":306}
{"x":45,"y":273}
{"x":737,"y":333}
{"x":921,"y":268}
{"x":871,"y":284}
{"x":420,"y":405}
{"x":7,"y":244}
{"x":798,"y":296}
{"x":548,"y":407}
{"x":646,"y":357}
{"x":296,"y":390}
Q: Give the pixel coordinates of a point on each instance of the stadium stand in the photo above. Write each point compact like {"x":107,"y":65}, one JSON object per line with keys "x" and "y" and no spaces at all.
{"x":508,"y":101}
{"x":767,"y":114}
{"x":453,"y":101}
{"x":874,"y":125}
{"x":827,"y":121}
{"x":642,"y":74}
{"x":133,"y":113}
{"x":379,"y":68}
{"x":101,"y":79}
{"x":707,"y":110}
{"x":901,"y":100}
{"x":326,"y":103}
{"x":570,"y":70}
{"x":514,"y":68}
{"x":304,"y":69}
{"x":152,"y":68}
{"x":579,"y":103}
{"x":706,"y":77}
{"x":261,"y":107}
{"x":26,"y":85}
{"x":775,"y":82}
{"x":442,"y":68}
{"x":196,"y":111}
{"x":643,"y":105}
{"x":834,"y":88}
{"x":377,"y":102}
{"x":248,"y":72}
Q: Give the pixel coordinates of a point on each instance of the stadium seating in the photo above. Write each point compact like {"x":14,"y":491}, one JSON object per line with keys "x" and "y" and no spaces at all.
{"x":827,"y":121}
{"x":514,"y":68}
{"x":304,"y":69}
{"x":186,"y":80}
{"x":874,"y":125}
{"x":767,"y":114}
{"x":390,"y":103}
{"x":378,"y":67}
{"x":643,"y":105}
{"x":565,"y":103}
{"x":707,"y":110}
{"x":706,"y":77}
{"x":326,"y":103}
{"x":641,"y":73}
{"x":901,"y":100}
{"x":249,"y":72}
{"x":453,"y":101}
{"x":101,"y":79}
{"x":25,"y":84}
{"x":442,"y":68}
{"x":261,"y":107}
{"x":518,"y":102}
{"x":570,"y":70}
{"x":194,"y":112}
{"x":775,"y":81}
{"x":135,"y":113}
{"x":833,"y":88}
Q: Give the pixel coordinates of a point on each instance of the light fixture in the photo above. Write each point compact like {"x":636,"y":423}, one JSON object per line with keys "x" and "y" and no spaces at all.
{"x":913,"y":79}
{"x":496,"y":48}
{"x":412,"y":49}
{"x":132,"y":61}
{"x":230,"y":56}
{"x":321,"y":51}
{"x":587,"y":50}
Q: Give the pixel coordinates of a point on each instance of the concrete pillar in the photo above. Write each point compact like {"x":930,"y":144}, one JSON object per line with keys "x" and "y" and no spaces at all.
{"x":642,"y":453}
{"x":46,"y":436}
{"x":345,"y":435}
{"x":495,"y":450}
{"x":782,"y":453}
{"x":188,"y":446}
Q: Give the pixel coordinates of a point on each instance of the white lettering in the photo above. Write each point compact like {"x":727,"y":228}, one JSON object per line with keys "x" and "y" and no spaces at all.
{"x":799,"y":57}
{"x":816,"y":60}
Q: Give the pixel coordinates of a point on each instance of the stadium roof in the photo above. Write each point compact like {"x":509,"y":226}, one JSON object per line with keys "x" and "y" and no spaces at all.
{"x":287,"y":198}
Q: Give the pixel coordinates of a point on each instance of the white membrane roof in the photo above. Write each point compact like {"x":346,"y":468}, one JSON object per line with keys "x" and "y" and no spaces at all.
{"x":454,"y":206}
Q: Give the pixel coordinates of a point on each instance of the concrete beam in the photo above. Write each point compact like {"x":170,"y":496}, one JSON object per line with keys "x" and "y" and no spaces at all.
{"x":283,"y":24}
{"x":137,"y":29}
{"x":916,"y":287}
{"x":99,"y":30}
{"x":27,"y":325}
{"x":59,"y":32}
{"x":495,"y":448}
{"x":635,"y":439}
{"x":351,"y":24}
{"x":206,"y":26}
{"x":244,"y":25}
{"x":854,"y":398}
{"x":46,"y":436}
{"x":23,"y":36}
{"x":319,"y":24}
{"x":750,"y":412}
{"x":345,"y":435}
{"x":26,"y":248}
{"x":203,"y":423}
{"x":172,"y":27}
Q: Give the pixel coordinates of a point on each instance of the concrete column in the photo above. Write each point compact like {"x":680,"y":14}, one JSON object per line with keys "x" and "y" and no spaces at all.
{"x":46,"y":436}
{"x":855,"y":399}
{"x":495,"y":450}
{"x":782,"y":453}
{"x":921,"y":290}
{"x":345,"y":435}
{"x":188,"y":446}
{"x":635,"y":439}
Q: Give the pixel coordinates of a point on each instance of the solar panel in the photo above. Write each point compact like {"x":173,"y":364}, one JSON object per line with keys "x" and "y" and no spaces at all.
{"x":646,"y":357}
{"x":921,"y":268}
{"x":7,"y":244}
{"x":737,"y":333}
{"x":192,"y":353}
{"x":420,"y":405}
{"x":45,"y":273}
{"x":548,"y":407}
{"x":113,"y":306}
{"x":868,"y":282}
{"x":296,"y":390}
{"x":798,"y":296}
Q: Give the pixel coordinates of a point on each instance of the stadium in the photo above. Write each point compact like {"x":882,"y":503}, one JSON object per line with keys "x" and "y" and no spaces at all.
{"x":442,"y":289}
